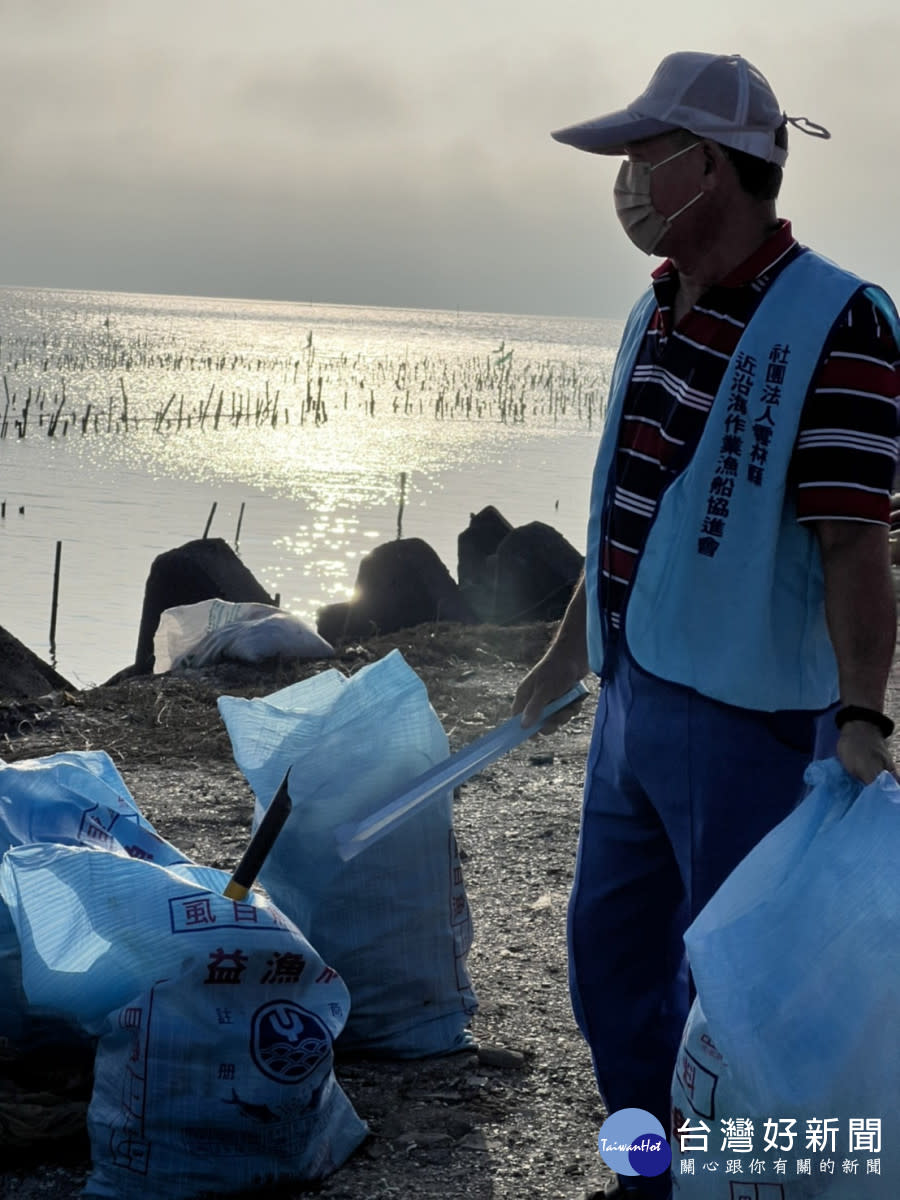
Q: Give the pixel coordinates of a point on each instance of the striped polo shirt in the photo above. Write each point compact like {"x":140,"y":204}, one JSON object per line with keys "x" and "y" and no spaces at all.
{"x":844,"y":458}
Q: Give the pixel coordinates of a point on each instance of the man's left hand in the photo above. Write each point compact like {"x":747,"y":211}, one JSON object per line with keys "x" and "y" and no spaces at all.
{"x":864,"y":752}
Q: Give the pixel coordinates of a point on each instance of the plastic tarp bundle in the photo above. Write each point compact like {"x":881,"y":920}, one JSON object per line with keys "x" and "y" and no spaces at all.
{"x":77,"y":799}
{"x":216,"y":1021}
{"x":196,"y":635}
{"x":394,"y":921}
{"x":796,"y":960}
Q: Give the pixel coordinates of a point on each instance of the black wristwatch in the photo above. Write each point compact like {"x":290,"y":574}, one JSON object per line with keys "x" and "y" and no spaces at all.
{"x":855,"y":712}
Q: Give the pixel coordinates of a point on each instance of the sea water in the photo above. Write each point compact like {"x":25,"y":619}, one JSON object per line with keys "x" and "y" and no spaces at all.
{"x":316,"y":431}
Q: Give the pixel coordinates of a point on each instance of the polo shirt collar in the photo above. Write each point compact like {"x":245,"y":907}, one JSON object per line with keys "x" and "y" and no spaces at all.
{"x":753,"y":268}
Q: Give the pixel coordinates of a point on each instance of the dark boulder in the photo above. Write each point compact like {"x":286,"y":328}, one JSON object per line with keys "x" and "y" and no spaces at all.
{"x":204,"y":569}
{"x":400,"y":584}
{"x":535,"y":572}
{"x":475,"y":545}
{"x":476,"y":565}
{"x":337,"y":623}
{"x":23,"y":675}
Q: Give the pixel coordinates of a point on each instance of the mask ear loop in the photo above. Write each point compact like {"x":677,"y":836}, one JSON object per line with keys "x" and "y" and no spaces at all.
{"x":808,"y":127}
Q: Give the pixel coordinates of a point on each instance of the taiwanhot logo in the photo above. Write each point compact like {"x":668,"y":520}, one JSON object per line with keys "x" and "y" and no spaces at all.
{"x":632,"y":1142}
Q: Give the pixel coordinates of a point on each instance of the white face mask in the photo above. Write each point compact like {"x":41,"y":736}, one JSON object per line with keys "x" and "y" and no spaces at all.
{"x":634,"y":208}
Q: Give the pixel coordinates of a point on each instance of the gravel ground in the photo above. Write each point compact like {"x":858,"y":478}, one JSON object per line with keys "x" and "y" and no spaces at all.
{"x":519,"y":1116}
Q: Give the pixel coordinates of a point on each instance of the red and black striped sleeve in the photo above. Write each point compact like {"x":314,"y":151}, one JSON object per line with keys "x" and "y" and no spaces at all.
{"x":846,"y":450}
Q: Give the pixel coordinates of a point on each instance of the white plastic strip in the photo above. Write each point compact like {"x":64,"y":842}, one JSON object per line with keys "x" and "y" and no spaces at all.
{"x":460,"y":766}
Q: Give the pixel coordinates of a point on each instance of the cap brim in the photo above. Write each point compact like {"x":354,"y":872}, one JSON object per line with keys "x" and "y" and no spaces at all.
{"x":610,"y":134}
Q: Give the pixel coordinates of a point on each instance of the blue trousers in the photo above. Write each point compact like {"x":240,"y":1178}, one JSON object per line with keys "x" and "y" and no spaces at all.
{"x":679,"y":788}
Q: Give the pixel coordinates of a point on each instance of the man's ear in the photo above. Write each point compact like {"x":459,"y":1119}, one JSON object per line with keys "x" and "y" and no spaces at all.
{"x":714,"y":162}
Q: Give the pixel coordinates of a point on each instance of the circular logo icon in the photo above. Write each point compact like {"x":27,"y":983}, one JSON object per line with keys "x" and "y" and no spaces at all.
{"x":632,"y":1142}
{"x":287,"y":1042}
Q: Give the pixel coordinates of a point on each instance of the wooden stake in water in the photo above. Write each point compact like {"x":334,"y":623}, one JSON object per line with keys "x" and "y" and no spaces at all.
{"x":54,"y":603}
{"x":209,"y":519}
{"x":402,"y":501}
{"x":237,"y":532}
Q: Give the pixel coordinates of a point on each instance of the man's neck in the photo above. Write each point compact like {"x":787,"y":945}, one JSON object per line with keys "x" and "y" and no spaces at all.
{"x":713,"y":263}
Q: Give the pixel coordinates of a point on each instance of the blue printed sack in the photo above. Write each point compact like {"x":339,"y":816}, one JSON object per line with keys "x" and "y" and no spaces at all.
{"x":76,"y":798}
{"x":796,"y":960}
{"x":216,"y":1020}
{"x":394,"y":921}
{"x":724,"y":1150}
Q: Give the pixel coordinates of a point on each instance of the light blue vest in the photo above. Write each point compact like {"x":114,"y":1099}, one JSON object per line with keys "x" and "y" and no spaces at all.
{"x":728,"y":595}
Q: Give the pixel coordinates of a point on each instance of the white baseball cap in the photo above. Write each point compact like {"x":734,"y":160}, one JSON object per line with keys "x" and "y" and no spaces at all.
{"x":722,"y":97}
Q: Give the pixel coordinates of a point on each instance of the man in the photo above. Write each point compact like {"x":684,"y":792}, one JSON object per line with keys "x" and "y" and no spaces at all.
{"x":737,"y":582}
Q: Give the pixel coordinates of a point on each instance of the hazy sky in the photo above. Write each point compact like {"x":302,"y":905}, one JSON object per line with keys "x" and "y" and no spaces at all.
{"x":397,"y":151}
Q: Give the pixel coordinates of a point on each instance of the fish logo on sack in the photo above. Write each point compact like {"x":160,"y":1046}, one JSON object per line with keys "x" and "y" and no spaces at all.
{"x":287,"y":1042}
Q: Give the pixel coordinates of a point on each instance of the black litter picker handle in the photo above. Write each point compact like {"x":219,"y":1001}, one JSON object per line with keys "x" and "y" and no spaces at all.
{"x":261,"y":843}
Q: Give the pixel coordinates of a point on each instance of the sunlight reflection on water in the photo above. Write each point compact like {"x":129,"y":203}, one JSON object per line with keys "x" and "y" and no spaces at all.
{"x":160,"y":406}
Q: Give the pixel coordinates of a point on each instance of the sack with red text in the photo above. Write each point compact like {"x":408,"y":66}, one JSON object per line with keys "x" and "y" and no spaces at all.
{"x":72,"y":798}
{"x":394,"y":921}
{"x":792,"y":1050}
{"x":216,"y":1018}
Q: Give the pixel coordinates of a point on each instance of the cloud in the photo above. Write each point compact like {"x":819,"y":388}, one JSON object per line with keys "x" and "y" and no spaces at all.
{"x":332,"y":95}
{"x":388,"y":154}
